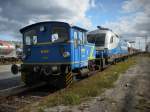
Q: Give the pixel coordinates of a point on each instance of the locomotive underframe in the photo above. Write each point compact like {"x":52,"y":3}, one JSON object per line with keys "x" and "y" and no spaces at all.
{"x":55,"y":75}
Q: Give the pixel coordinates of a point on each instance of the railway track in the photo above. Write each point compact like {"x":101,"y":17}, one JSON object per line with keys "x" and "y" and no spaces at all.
{"x":14,"y":103}
{"x":18,"y":89}
{"x":15,"y":98}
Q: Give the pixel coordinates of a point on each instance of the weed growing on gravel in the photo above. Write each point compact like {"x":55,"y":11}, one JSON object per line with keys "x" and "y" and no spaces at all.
{"x":41,"y":110}
{"x":89,"y":87}
{"x":71,"y":99}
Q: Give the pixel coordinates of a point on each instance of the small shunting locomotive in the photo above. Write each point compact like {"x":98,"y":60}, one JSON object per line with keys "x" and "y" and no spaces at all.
{"x":53,"y":51}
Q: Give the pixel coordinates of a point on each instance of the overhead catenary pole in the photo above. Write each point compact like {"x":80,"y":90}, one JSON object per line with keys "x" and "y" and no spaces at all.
{"x":139,"y":45}
{"x":145,"y":42}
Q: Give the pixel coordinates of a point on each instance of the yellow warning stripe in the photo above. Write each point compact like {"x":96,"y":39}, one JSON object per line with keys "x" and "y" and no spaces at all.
{"x":68,"y":75}
{"x":69,"y":82}
{"x":91,"y":53}
{"x":69,"y":79}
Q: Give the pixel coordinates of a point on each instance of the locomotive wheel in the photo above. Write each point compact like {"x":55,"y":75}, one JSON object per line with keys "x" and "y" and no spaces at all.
{"x":97,"y":67}
{"x":114,"y":62}
{"x":56,"y":82}
{"x":63,"y":80}
{"x":29,"y":78}
{"x":106,"y":61}
{"x":102,"y":65}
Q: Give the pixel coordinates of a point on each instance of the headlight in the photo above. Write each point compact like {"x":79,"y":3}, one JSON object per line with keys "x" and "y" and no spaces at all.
{"x":54,"y":68}
{"x":24,"y":56}
{"x":36,"y":68}
{"x":66,"y":54}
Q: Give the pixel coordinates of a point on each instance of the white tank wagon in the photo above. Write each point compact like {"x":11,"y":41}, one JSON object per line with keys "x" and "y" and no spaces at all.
{"x":7,"y":52}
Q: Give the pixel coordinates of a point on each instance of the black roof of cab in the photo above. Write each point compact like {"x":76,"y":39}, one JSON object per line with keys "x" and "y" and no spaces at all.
{"x":46,"y":22}
{"x":40,"y":23}
{"x":79,"y":28}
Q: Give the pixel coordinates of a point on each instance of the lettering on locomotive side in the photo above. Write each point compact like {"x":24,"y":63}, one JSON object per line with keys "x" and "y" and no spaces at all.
{"x":45,"y":57}
{"x":82,"y":50}
{"x":91,"y":53}
{"x":44,"y":51}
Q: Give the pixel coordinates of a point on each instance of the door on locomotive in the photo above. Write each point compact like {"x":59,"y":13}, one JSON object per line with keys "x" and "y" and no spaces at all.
{"x":83,"y":52}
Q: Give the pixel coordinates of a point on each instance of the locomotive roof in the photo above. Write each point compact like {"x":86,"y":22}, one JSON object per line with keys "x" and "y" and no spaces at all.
{"x":79,"y":28}
{"x":101,"y":31}
{"x":98,"y":31}
{"x":48,"y":22}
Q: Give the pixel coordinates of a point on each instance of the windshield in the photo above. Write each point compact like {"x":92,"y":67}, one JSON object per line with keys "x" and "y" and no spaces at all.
{"x":59,"y":34}
{"x":30,"y":37}
{"x":98,"y":39}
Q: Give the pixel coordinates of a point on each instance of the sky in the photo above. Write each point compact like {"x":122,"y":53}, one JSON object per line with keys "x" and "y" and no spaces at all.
{"x":128,"y":18}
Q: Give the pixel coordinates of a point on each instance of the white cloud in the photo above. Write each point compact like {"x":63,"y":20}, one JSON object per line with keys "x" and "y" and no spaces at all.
{"x":92,"y":2}
{"x":135,"y":5}
{"x":131,"y":5}
{"x":133,"y":24}
{"x":17,"y":13}
{"x":0,"y":10}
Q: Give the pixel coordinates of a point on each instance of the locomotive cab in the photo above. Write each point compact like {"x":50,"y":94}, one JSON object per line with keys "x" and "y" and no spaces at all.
{"x":52,"y":51}
{"x":46,"y":43}
{"x":105,"y":40}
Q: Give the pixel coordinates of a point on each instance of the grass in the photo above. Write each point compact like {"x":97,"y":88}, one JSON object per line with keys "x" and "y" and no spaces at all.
{"x":146,"y":54}
{"x":143,"y":105}
{"x":85,"y":89}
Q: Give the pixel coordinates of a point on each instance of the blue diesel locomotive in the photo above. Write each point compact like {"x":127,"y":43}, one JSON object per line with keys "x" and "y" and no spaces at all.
{"x":53,"y":51}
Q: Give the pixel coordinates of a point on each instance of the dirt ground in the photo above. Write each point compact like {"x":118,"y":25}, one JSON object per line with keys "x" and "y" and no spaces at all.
{"x":131,"y":93}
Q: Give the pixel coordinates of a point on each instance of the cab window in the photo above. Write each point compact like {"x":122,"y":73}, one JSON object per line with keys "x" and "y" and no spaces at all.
{"x":30,"y":37}
{"x":75,"y":39}
{"x":84,"y":38}
{"x":111,"y":39}
{"x":59,"y":34}
{"x":27,"y":40}
{"x":98,"y":39}
{"x":80,"y":37}
{"x":75,"y":35}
